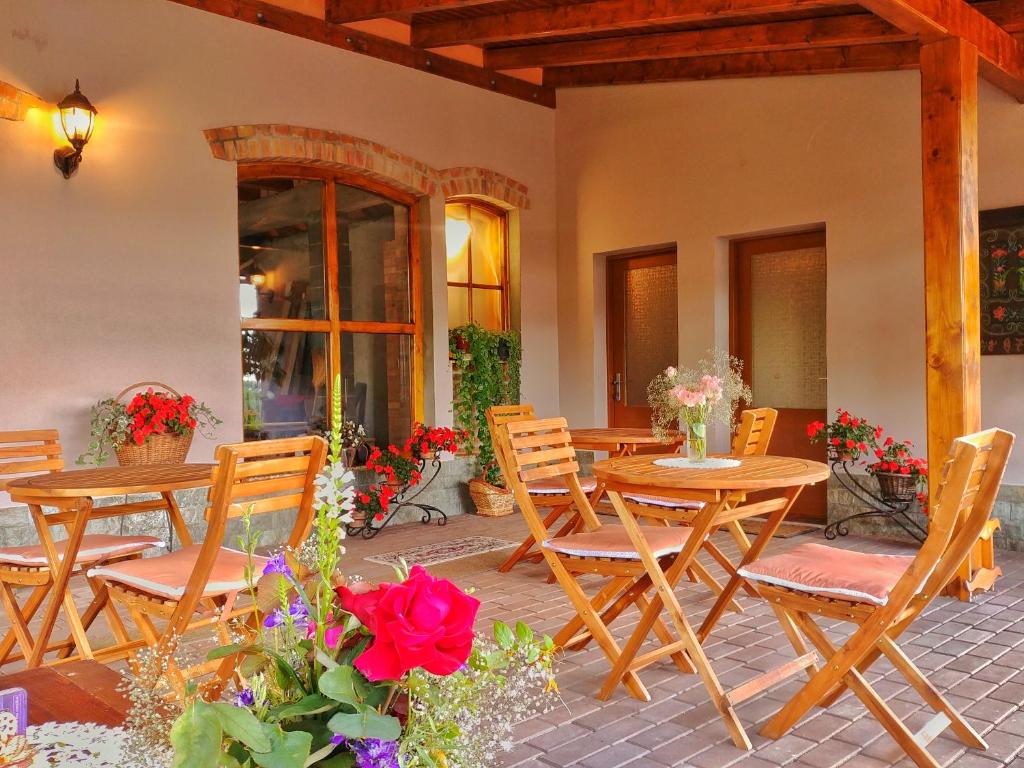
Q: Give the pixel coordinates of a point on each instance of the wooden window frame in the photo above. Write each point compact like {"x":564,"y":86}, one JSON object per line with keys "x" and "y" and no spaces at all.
{"x":504,"y":271}
{"x":333,"y":326}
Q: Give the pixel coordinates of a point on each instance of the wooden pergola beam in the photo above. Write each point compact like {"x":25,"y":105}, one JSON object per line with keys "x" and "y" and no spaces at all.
{"x":1001,"y":55}
{"x":820,"y":61}
{"x":342,"y":11}
{"x":339,"y":36}
{"x":824,"y":32}
{"x":592,"y":16}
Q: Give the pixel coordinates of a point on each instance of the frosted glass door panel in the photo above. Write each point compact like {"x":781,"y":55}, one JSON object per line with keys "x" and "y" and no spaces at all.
{"x":651,"y":340}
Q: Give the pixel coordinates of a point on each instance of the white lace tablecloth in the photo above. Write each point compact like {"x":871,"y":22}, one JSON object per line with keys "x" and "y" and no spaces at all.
{"x":79,"y":744}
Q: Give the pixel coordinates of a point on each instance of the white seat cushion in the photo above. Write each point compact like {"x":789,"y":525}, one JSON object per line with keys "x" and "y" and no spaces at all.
{"x":167,"y":576}
{"x":557,"y":487}
{"x":95,"y":548}
{"x":662,"y":501}
{"x":613,"y":541}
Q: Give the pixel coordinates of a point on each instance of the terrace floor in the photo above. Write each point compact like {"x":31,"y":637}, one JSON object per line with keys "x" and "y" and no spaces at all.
{"x":972,"y":651}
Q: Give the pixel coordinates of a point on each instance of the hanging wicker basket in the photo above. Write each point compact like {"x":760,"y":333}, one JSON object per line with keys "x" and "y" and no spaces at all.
{"x":896,"y":487}
{"x":158,"y":449}
{"x":490,"y":500}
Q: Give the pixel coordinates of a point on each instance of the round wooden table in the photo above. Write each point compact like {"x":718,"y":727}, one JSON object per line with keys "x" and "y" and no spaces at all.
{"x":72,"y":493}
{"x":620,"y":441}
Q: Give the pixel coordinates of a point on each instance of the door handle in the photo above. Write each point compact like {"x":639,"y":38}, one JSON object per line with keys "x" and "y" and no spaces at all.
{"x":617,"y":388}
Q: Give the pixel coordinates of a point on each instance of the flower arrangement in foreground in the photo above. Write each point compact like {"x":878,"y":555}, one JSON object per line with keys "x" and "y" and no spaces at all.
{"x":695,"y":397}
{"x":345,"y":674}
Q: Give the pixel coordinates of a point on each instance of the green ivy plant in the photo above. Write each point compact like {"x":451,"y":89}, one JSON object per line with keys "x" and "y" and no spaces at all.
{"x":483,"y":379}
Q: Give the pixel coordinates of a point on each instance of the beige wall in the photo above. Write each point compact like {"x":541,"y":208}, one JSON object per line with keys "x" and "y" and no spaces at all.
{"x":698,"y":163}
{"x":129,"y":270}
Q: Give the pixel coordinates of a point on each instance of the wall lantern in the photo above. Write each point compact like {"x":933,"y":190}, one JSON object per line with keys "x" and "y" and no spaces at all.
{"x":77,"y":117}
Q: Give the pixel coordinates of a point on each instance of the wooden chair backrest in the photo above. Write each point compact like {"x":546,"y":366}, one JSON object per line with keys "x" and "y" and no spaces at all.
{"x":755,"y":432}
{"x":499,"y":415}
{"x":542,"y":449}
{"x":969,"y":482}
{"x":29,"y":452}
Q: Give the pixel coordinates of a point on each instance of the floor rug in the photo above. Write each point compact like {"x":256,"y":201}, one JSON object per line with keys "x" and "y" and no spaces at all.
{"x":442,"y":552}
{"x":785,"y":531}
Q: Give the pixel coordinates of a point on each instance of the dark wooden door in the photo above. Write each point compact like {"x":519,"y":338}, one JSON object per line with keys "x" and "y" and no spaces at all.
{"x":643,"y":333}
{"x":777,"y":328}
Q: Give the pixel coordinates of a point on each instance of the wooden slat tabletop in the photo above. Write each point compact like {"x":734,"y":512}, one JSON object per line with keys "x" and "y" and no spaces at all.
{"x":618,"y":436}
{"x":79,"y":691}
{"x":111,"y":481}
{"x":754,"y":473}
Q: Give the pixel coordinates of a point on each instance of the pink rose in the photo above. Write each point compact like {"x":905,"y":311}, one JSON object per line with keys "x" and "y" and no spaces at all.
{"x":687,"y":397}
{"x":422,"y":622}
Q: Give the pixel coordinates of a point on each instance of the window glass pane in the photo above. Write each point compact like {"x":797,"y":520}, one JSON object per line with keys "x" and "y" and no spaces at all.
{"x":488,"y":246}
{"x":458,"y":307}
{"x":280,"y":246}
{"x":284,"y":383}
{"x":377,"y":377}
{"x":487,"y":308}
{"x":373,"y":257}
{"x":456,"y":241}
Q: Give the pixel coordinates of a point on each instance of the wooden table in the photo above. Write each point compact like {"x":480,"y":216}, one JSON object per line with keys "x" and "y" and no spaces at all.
{"x":620,"y":441}
{"x":72,"y":494}
{"x":722,"y":490}
{"x":80,"y":691}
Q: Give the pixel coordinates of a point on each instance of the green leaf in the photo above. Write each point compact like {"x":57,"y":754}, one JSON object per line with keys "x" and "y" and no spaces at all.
{"x":288,"y":749}
{"x":366,"y":725}
{"x":196,"y":736}
{"x":223,"y":651}
{"x":227,"y":761}
{"x":503,"y":635}
{"x":308,"y":704}
{"x":339,"y":684}
{"x":344,"y":760}
{"x":524,"y":633}
{"x":241,"y":724}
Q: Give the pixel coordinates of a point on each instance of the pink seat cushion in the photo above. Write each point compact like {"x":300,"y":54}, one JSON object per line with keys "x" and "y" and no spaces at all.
{"x":613,"y":541}
{"x":558,"y":487}
{"x":831,"y":572}
{"x":168,"y":575}
{"x":95,"y":548}
{"x":662,"y":501}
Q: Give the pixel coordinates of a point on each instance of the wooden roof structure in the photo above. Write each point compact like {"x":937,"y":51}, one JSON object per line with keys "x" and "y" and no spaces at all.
{"x":529,"y":48}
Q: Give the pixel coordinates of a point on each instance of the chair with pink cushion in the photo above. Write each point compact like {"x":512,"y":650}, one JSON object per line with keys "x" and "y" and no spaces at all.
{"x":881,"y":595}
{"x":32,"y":452}
{"x":199,"y":585}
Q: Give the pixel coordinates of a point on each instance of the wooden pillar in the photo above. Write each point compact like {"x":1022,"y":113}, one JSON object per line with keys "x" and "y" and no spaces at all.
{"x":949,"y":138}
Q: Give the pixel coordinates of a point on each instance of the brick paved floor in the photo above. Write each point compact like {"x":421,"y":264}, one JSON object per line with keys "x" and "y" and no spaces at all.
{"x":973,"y":651}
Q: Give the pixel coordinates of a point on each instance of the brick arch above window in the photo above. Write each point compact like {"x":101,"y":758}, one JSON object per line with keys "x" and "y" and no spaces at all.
{"x":330,"y":149}
{"x":486,"y":183}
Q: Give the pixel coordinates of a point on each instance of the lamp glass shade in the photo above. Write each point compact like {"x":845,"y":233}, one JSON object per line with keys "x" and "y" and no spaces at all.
{"x":77,"y":118}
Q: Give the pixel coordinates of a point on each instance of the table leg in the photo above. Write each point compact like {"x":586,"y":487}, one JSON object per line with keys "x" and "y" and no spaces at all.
{"x":177,"y":519}
{"x":61,"y":570}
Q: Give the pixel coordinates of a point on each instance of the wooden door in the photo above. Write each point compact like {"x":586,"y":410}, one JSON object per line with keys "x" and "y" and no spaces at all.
{"x":777,"y":313}
{"x":643,"y":332}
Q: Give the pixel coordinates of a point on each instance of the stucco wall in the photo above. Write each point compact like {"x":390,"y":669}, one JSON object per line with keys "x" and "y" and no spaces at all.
{"x":129,"y":270}
{"x":698,"y":163}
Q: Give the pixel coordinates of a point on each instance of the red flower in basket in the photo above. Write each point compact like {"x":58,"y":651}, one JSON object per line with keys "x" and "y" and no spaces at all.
{"x":422,"y":622}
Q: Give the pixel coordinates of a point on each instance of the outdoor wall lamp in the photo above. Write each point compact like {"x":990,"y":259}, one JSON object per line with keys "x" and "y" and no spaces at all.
{"x":77,"y":117}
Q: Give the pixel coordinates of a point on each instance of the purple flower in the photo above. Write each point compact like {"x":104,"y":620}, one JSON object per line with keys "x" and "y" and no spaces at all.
{"x":244,"y":698}
{"x":374,"y":753}
{"x":277,"y":564}
{"x":297,"y":611}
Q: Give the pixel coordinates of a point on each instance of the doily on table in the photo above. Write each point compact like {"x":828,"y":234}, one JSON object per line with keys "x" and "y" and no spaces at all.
{"x":88,"y":745}
{"x":681,"y":462}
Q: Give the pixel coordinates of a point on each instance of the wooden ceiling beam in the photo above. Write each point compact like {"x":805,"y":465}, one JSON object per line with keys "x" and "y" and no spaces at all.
{"x":342,"y":11}
{"x":273,"y":17}
{"x":591,"y":16}
{"x":824,"y":32}
{"x":1001,"y":55}
{"x":819,"y":61}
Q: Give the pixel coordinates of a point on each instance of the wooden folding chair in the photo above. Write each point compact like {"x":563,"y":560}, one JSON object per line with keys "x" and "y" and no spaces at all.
{"x":882,"y":596}
{"x":550,"y":495}
{"x":542,"y":450}
{"x":32,"y":452}
{"x":198,"y":585}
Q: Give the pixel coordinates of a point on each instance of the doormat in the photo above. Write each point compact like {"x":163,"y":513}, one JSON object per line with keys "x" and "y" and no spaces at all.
{"x":442,"y":552}
{"x":785,"y":531}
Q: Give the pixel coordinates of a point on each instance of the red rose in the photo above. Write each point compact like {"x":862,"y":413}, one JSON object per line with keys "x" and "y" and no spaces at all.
{"x":422,"y":622}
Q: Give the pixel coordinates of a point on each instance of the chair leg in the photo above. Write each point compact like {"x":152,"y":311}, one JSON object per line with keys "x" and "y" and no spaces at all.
{"x":615,"y":586}
{"x":19,"y":623}
{"x":523,"y":549}
{"x":712,"y":549}
{"x":705,"y":576}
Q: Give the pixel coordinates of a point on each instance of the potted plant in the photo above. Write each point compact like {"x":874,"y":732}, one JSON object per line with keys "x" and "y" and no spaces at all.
{"x":901,"y":476}
{"x":847,"y":437}
{"x":154,"y":427}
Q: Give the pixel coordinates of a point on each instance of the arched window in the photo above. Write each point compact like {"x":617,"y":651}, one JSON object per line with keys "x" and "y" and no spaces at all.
{"x":329,"y":285}
{"x":476,"y":237}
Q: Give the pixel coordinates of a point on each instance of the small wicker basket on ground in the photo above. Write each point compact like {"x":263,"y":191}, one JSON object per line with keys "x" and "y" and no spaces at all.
{"x":158,"y":449}
{"x":490,"y":500}
{"x":896,"y":487}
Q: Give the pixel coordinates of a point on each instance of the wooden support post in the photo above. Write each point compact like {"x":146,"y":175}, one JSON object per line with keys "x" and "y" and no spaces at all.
{"x":949,"y":142}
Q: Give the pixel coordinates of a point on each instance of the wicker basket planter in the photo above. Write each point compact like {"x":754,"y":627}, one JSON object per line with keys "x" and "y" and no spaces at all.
{"x":896,"y":487}
{"x":158,"y":449}
{"x":490,"y":500}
